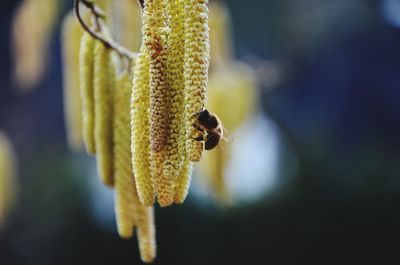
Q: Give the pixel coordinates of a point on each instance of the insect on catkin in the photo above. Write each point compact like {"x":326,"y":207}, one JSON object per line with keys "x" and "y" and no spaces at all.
{"x":71,"y":39}
{"x":126,"y":200}
{"x":140,"y":126}
{"x":86,"y":60}
{"x":103,"y":86}
{"x":197,"y":56}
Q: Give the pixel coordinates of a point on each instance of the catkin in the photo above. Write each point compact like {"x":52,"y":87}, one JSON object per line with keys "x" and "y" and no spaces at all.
{"x":126,"y":200}
{"x":103,"y":86}
{"x":164,"y":183}
{"x":220,"y":34}
{"x":146,"y":234}
{"x":33,"y":23}
{"x":197,"y":56}
{"x":140,"y":127}
{"x":71,"y":39}
{"x":86,"y":76}
{"x":183,"y":182}
{"x":154,"y":40}
{"x":7,"y":177}
{"x":175,"y":147}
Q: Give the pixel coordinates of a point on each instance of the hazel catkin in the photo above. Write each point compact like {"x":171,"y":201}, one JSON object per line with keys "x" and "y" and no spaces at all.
{"x":126,"y":200}
{"x":103,"y":86}
{"x":86,"y":60}
{"x":140,"y":127}
{"x":71,"y":38}
{"x":154,"y":38}
{"x":197,"y":56}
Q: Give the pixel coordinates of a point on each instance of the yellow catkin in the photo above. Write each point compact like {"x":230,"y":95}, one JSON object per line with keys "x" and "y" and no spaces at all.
{"x":197,"y":57}
{"x":7,"y":177}
{"x":86,"y":60}
{"x":164,"y":183}
{"x":146,"y":234}
{"x":126,"y":200}
{"x":71,"y":38}
{"x":32,"y":26}
{"x":220,"y":33}
{"x":103,"y":86}
{"x":154,"y":39}
{"x":183,"y":182}
{"x":140,"y":127}
{"x":175,"y":147}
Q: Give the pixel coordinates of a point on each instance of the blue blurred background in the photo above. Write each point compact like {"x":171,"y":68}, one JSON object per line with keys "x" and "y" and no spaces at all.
{"x":336,"y":109}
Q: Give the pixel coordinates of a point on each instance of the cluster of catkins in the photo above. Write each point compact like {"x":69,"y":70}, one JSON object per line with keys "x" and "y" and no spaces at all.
{"x":140,"y":121}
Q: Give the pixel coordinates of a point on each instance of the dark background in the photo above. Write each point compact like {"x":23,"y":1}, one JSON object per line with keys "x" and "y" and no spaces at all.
{"x":338,"y":108}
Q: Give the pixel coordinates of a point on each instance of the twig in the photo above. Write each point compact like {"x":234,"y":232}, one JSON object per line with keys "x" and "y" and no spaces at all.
{"x":141,"y":3}
{"x":109,"y":43}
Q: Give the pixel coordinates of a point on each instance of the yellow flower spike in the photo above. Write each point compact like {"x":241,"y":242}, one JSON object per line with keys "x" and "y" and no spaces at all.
{"x":197,"y":57}
{"x":86,"y":76}
{"x":146,"y":234}
{"x":154,"y":39}
{"x":175,"y":147}
{"x":103,"y":86}
{"x":220,"y":33}
{"x":140,"y":127}
{"x":32,"y":27}
{"x":71,"y":39}
{"x":164,"y":183}
{"x":126,"y":200}
{"x":183,"y":182}
{"x":7,"y":177}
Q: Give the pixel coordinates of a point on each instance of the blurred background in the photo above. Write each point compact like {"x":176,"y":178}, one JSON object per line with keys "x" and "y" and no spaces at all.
{"x":314,"y":176}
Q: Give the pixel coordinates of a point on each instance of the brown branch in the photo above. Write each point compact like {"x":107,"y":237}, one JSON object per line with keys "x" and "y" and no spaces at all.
{"x":141,"y":3}
{"x":99,"y":14}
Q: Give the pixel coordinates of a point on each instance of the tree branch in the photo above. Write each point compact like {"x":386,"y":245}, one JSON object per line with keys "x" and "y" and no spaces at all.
{"x":99,"y":14}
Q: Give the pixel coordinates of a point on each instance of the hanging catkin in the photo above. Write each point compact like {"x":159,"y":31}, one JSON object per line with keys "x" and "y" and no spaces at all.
{"x":71,"y":39}
{"x":183,"y":182}
{"x":146,"y":234}
{"x":126,"y":200}
{"x":140,"y":126}
{"x":197,"y":56}
{"x":32,"y":27}
{"x":7,"y":177}
{"x":103,"y":86}
{"x":86,"y":60}
{"x":154,"y":38}
{"x":175,"y":147}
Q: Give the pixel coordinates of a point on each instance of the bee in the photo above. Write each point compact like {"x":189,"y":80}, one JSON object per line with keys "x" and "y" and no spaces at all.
{"x":212,"y":125}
